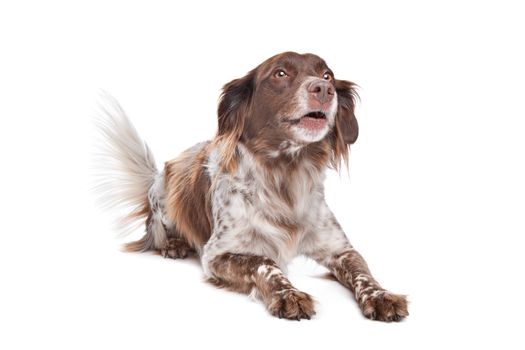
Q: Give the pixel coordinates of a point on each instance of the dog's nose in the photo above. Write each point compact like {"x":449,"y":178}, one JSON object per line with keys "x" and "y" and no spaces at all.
{"x":321,"y":90}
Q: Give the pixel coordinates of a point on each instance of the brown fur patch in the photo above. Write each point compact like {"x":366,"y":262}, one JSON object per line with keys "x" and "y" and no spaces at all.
{"x":141,"y":245}
{"x":375,"y":302}
{"x":188,"y":202}
{"x":176,"y":248}
{"x":146,"y":242}
{"x":292,"y":304}
{"x":346,"y":130}
{"x":234,"y":107}
{"x":386,"y":307}
{"x":244,"y":273}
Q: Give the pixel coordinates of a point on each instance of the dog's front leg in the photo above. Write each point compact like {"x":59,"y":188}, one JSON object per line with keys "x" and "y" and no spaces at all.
{"x":252,"y":273}
{"x":328,"y":245}
{"x":375,"y":302}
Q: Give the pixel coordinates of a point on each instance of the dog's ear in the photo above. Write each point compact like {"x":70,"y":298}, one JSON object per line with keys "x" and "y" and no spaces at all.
{"x":345,"y":119}
{"x":346,"y":128}
{"x":234,"y":105}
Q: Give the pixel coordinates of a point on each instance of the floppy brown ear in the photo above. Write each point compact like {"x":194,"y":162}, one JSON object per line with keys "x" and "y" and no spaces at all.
{"x":346,"y":129}
{"x":233,"y":108}
{"x":345,"y":120}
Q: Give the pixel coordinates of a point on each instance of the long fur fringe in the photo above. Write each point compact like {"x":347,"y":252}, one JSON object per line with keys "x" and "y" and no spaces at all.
{"x":125,"y":167}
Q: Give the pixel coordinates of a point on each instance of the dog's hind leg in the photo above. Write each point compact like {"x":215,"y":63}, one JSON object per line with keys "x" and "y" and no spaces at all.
{"x":161,"y":234}
{"x":176,"y":248}
{"x":168,"y":241}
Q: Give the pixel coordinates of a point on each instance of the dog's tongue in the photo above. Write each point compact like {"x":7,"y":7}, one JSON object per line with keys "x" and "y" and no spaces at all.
{"x":312,"y":123}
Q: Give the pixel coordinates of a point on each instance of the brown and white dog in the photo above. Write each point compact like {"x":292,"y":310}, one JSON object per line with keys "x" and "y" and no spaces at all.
{"x":250,"y":200}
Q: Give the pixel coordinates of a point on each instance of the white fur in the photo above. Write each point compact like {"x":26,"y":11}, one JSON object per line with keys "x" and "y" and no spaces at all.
{"x":250,"y":230}
{"x":245,"y":202}
{"x":301,"y":101}
{"x":262,"y":270}
{"x":159,"y":221}
{"x":126,"y":168}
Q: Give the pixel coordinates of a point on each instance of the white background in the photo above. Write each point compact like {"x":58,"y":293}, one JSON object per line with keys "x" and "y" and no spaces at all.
{"x":434,"y":199}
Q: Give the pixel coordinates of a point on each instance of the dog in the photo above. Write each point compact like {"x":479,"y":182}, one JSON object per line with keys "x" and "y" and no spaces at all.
{"x":251,"y":199}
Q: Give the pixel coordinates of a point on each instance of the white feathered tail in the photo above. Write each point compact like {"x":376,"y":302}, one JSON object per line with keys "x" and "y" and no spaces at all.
{"x":125,"y":170}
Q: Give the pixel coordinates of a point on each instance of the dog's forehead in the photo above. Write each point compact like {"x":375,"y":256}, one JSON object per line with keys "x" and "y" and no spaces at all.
{"x":305,"y":61}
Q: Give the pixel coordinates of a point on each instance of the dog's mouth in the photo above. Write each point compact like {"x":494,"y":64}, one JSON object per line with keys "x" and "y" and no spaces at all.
{"x":312,"y":121}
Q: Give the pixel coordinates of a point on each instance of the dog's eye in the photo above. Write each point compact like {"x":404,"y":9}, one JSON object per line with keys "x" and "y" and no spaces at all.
{"x":327,"y":76}
{"x":280,"y":73}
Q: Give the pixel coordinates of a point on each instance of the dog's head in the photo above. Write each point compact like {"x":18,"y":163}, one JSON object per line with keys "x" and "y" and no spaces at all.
{"x":287,"y":103}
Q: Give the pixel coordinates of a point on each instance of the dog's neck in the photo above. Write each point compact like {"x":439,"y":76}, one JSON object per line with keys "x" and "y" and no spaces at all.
{"x":282,"y":165}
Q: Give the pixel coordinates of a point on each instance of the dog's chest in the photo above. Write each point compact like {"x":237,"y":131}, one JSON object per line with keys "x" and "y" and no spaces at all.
{"x":271,"y":204}
{"x":264,"y":212}
{"x":284,"y":195}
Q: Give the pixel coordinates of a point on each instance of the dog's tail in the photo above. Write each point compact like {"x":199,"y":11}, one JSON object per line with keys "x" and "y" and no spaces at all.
{"x":125,"y":172}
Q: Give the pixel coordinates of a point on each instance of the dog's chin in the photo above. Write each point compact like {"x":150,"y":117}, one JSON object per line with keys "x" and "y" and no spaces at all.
{"x":312,"y":127}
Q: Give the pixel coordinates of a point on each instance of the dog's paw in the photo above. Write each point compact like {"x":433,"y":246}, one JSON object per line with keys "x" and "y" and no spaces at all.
{"x":291,"y":304}
{"x":384,"y":306}
{"x":176,"y":248}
